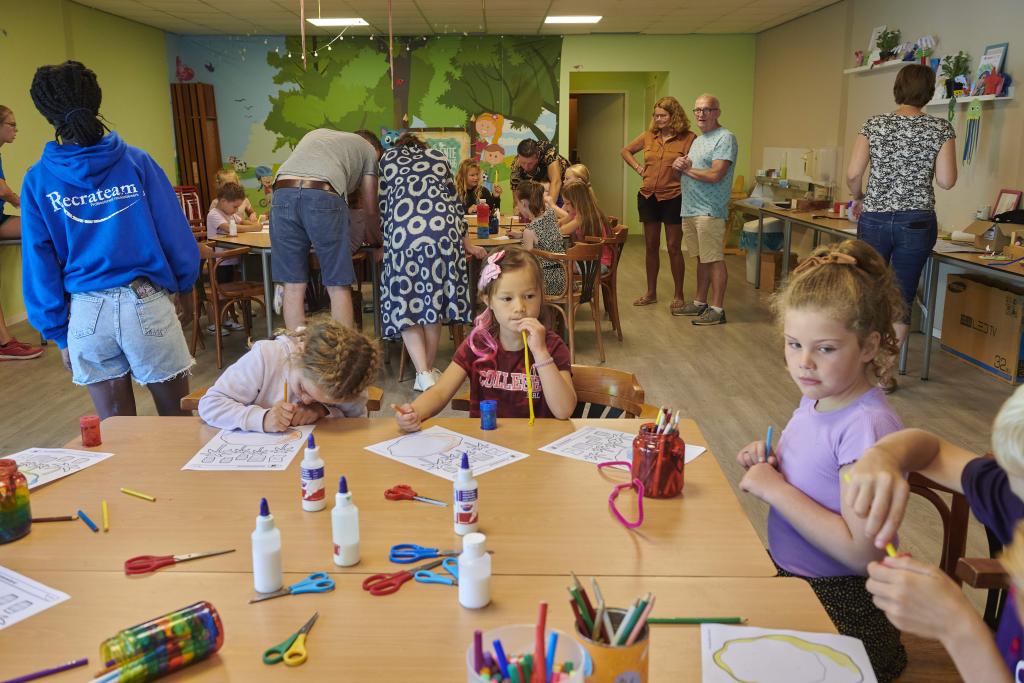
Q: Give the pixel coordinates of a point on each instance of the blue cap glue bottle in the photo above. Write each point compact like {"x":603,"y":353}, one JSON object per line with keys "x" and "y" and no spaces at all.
{"x":466,"y":499}
{"x":345,"y":527}
{"x":266,"y":552}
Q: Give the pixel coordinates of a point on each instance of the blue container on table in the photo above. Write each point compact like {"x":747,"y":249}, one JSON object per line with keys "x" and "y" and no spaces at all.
{"x":488,"y":414}
{"x":493,"y":223}
{"x":483,"y":232}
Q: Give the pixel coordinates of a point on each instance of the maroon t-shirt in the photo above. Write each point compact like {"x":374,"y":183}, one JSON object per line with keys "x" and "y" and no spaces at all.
{"x":504,"y":380}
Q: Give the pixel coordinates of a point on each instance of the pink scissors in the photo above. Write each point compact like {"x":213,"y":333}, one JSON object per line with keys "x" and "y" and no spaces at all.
{"x":386,"y":584}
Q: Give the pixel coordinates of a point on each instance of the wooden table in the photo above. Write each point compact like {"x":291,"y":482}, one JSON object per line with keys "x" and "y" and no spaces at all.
{"x":545,"y":515}
{"x":502,"y":239}
{"x":819,"y":221}
{"x":418,"y":634}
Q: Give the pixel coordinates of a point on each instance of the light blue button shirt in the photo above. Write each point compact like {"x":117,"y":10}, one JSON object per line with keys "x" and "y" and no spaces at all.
{"x":710,"y":199}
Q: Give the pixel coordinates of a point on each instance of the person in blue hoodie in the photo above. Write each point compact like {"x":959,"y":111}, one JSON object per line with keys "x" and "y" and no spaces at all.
{"x":104,"y":245}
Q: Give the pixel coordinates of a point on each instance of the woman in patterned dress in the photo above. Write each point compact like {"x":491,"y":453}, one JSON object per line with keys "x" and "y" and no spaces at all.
{"x":425,"y":281}
{"x":907,"y":149}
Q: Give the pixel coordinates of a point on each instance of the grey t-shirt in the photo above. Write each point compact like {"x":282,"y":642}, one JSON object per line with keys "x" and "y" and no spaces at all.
{"x":340,"y":158}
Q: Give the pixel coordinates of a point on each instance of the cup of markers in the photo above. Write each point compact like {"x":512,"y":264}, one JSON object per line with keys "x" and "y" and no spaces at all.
{"x":506,"y":655}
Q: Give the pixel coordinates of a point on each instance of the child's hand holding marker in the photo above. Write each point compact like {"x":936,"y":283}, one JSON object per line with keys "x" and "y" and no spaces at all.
{"x":405,"y":414}
{"x":756,"y":452}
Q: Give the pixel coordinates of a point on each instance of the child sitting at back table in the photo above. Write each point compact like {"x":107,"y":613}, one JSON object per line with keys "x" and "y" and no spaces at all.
{"x":918,"y":597}
{"x":585,"y":218}
{"x":224,"y":176}
{"x":492,"y":356}
{"x":542,"y":233}
{"x":320,"y":370}
{"x":574,"y":172}
{"x":837,"y":312}
{"x":470,"y":190}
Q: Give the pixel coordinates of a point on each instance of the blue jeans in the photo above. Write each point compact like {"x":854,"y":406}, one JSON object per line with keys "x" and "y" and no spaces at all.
{"x":905,"y":240}
{"x":301,"y":218}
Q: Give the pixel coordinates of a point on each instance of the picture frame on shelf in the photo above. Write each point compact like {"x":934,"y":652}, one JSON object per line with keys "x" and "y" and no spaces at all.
{"x":990,"y":64}
{"x":873,"y":53}
{"x":1006,"y":200}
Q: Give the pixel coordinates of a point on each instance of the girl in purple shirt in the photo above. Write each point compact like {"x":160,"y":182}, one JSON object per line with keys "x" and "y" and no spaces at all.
{"x":837,"y":312}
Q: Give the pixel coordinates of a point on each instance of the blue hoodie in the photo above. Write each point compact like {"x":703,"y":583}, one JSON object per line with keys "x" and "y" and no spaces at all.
{"x":96,"y":218}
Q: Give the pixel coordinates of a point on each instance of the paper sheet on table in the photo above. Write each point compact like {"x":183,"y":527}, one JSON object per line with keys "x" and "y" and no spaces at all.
{"x":597,"y":445}
{"x":21,"y":597}
{"x":43,"y":465}
{"x":948,"y":247}
{"x":439,"y":451}
{"x":760,"y":655}
{"x":239,"y":451}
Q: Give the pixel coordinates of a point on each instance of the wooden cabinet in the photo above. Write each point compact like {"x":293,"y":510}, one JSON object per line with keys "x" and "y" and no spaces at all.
{"x":197,"y":137}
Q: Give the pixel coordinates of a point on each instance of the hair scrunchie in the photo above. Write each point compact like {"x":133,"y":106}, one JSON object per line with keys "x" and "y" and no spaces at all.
{"x":833,"y":258}
{"x":491,"y":271}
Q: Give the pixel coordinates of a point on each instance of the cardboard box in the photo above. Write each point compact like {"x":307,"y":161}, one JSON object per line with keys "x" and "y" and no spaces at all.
{"x":982,"y":325}
{"x":771,"y":269}
{"x":991,"y":235}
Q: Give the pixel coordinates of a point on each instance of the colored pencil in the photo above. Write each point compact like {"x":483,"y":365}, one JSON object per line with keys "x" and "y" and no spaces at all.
{"x":106,"y":517}
{"x":583,"y":594}
{"x":608,"y":626}
{"x":640,"y":623}
{"x":768,"y":444}
{"x":580,"y":626}
{"x":550,"y":664}
{"x":538,"y":645}
{"x":49,"y":672}
{"x":478,"y":651}
{"x":143,"y":496}
{"x":529,"y":377}
{"x":499,"y":652}
{"x":695,"y":620}
{"x":286,"y":391}
{"x":88,"y":522}
{"x":598,"y":620}
{"x":62,"y":518}
{"x":588,"y":622}
{"x":631,"y":619}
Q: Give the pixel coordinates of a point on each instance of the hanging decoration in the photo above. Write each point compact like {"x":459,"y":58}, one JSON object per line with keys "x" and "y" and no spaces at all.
{"x":973,"y":137}
{"x":302,"y":29}
{"x":391,"y":47}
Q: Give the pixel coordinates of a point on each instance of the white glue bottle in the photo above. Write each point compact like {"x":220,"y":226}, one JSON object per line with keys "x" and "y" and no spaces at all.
{"x":314,"y":497}
{"x":345,"y":527}
{"x":465,"y":490}
{"x":232,"y":227}
{"x":474,"y":572}
{"x":266,"y":553}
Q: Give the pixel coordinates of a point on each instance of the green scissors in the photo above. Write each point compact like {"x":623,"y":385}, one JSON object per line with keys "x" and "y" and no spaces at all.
{"x":292,"y":651}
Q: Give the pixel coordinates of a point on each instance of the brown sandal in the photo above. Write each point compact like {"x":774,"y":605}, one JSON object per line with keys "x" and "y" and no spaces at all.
{"x":646,"y":300}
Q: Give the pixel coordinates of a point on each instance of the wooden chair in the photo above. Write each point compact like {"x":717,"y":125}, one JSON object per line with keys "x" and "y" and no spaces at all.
{"x":954,"y":520}
{"x":188,"y":197}
{"x":374,"y":396}
{"x":220,"y":296}
{"x":609,"y":280}
{"x":600,"y":393}
{"x":456,"y":332}
{"x":582,"y":266}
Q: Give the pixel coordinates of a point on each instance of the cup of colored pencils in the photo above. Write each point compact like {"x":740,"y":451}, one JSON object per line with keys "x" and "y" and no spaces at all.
{"x":616,"y":639}
{"x":524,"y":653}
{"x":659,"y":455}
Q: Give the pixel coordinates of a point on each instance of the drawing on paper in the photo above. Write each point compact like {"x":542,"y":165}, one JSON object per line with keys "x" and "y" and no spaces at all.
{"x":21,"y":597}
{"x":739,"y":654}
{"x":43,"y":465}
{"x":439,"y":451}
{"x":597,"y":445}
{"x":238,"y":450}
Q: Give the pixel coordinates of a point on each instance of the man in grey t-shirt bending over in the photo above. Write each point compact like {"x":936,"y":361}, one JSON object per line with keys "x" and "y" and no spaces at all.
{"x":310,"y":208}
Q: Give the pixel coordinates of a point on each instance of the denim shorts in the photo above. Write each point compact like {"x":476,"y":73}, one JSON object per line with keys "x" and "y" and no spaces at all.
{"x":111,"y":333}
{"x":302,"y":217}
{"x":905,"y":240}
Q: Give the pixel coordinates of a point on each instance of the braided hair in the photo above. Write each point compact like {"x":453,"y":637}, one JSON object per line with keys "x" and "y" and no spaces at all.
{"x":68,"y":96}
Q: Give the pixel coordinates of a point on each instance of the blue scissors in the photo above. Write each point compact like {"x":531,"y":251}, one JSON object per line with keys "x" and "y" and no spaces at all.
{"x":407,"y":553}
{"x":450,"y":565}
{"x":318,"y":582}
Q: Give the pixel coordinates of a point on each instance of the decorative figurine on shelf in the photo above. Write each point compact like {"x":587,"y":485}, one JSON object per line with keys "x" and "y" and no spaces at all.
{"x":924,"y":48}
{"x":887,"y":43}
{"x":992,"y":83}
{"x":973,"y":137}
{"x":858,"y":58}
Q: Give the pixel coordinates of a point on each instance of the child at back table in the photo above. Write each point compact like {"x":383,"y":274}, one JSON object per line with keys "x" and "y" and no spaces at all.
{"x":225,"y":176}
{"x":325,"y":366}
{"x":492,"y":355}
{"x":837,"y":312}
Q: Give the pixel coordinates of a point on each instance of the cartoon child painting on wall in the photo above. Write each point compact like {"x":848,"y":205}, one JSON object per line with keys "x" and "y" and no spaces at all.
{"x":265,"y":176}
{"x":488,"y":130}
{"x":492,"y":163}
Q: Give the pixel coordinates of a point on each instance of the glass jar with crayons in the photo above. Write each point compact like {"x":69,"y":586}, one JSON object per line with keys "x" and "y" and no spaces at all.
{"x":15,"y":512}
{"x":658,"y":457}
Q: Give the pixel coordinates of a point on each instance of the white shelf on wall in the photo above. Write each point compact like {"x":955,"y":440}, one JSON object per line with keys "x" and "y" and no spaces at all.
{"x":964,"y":100}
{"x":892,"y":63}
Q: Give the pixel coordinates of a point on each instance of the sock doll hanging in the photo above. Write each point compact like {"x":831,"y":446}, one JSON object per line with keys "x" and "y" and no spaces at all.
{"x":973,"y":136}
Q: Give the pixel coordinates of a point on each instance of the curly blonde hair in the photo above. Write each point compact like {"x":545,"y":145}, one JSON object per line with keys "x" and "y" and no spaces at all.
{"x":461,"y":188}
{"x":342,"y":361}
{"x":678,"y":123}
{"x":854,"y":284}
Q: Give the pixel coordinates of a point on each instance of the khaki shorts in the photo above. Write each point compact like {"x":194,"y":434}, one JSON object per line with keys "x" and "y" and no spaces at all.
{"x":704,"y":236}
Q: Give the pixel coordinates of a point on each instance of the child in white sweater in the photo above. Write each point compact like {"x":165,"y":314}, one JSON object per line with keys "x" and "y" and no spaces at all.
{"x":320,"y":370}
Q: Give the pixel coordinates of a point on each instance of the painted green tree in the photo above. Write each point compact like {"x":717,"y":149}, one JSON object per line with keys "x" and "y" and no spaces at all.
{"x":516,"y":77}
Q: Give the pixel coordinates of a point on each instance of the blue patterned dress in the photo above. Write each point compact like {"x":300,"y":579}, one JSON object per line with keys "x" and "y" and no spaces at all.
{"x":425,"y":279}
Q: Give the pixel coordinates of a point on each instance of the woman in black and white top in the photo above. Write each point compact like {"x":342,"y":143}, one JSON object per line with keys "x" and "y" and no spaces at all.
{"x":907,"y":149}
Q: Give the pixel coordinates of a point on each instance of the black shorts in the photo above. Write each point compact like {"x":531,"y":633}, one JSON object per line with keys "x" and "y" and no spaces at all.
{"x":665,"y":211}
{"x":4,"y":217}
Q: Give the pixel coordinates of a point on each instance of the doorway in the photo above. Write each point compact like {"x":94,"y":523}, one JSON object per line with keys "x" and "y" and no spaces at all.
{"x":597,"y":132}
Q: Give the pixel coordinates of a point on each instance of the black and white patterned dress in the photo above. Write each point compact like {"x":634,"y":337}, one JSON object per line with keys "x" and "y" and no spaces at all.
{"x":549,"y":238}
{"x":425,"y":279}
{"x":903,"y":150}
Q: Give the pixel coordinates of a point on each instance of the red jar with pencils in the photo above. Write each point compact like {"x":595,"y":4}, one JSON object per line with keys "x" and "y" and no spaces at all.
{"x":15,"y":512}
{"x":658,"y":461}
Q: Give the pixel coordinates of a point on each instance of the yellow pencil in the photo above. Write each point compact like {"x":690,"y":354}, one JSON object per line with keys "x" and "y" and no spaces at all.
{"x":529,"y":377}
{"x":143,"y":496}
{"x":106,"y":517}
{"x":286,"y":391}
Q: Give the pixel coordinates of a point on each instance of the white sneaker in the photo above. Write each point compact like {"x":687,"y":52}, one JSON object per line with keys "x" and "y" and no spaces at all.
{"x":424,"y":380}
{"x":224,"y":331}
{"x":232,"y":325}
{"x":278,"y":298}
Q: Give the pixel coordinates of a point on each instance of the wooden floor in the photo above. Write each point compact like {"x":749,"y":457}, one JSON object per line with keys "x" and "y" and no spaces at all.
{"x":731,"y":379}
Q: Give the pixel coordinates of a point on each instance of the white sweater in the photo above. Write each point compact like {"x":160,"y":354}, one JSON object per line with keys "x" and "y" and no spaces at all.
{"x":248,"y":389}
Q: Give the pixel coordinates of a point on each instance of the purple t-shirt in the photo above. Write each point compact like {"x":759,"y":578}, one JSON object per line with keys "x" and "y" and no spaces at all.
{"x":987,"y":490}
{"x":813,"y":447}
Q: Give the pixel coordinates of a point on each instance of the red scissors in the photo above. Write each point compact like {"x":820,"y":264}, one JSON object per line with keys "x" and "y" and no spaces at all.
{"x":144,"y":564}
{"x":386,"y":584}
{"x":405,"y":492}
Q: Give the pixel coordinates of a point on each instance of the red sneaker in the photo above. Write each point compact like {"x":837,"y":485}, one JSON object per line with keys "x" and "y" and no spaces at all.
{"x":15,"y":350}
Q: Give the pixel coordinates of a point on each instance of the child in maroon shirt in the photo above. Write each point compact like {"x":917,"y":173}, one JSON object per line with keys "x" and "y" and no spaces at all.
{"x":492,"y":355}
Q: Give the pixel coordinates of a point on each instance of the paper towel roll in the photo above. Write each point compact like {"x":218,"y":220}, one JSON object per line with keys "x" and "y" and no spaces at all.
{"x":961,"y":236}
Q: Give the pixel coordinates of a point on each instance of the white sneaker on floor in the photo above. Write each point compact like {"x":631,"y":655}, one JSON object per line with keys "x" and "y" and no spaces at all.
{"x":424,"y":380}
{"x":224,"y":331}
{"x":232,"y":325}
{"x":278,"y":298}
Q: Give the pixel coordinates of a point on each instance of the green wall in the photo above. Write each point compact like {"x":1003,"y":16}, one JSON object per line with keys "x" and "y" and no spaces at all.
{"x":720,"y":64}
{"x":130,"y":61}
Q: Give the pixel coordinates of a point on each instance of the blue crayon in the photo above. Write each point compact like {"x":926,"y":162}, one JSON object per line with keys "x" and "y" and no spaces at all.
{"x":499,"y":651}
{"x":768,"y":444}
{"x":550,"y":663}
{"x":89,"y":522}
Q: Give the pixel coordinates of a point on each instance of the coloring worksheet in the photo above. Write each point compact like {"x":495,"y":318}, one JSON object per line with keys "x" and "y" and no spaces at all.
{"x":43,"y":465}
{"x":21,"y":597}
{"x":760,"y":655}
{"x":439,"y":451}
{"x":239,"y":451}
{"x":597,"y":444}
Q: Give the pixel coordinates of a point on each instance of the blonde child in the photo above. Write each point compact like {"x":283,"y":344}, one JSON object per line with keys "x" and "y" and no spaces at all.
{"x":837,"y":312}
{"x":918,"y":597}
{"x":492,"y":356}
{"x":226,"y":175}
{"x":574,"y":172}
{"x":585,"y":217}
{"x":320,"y":370}
{"x":470,"y":190}
{"x":542,"y":233}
